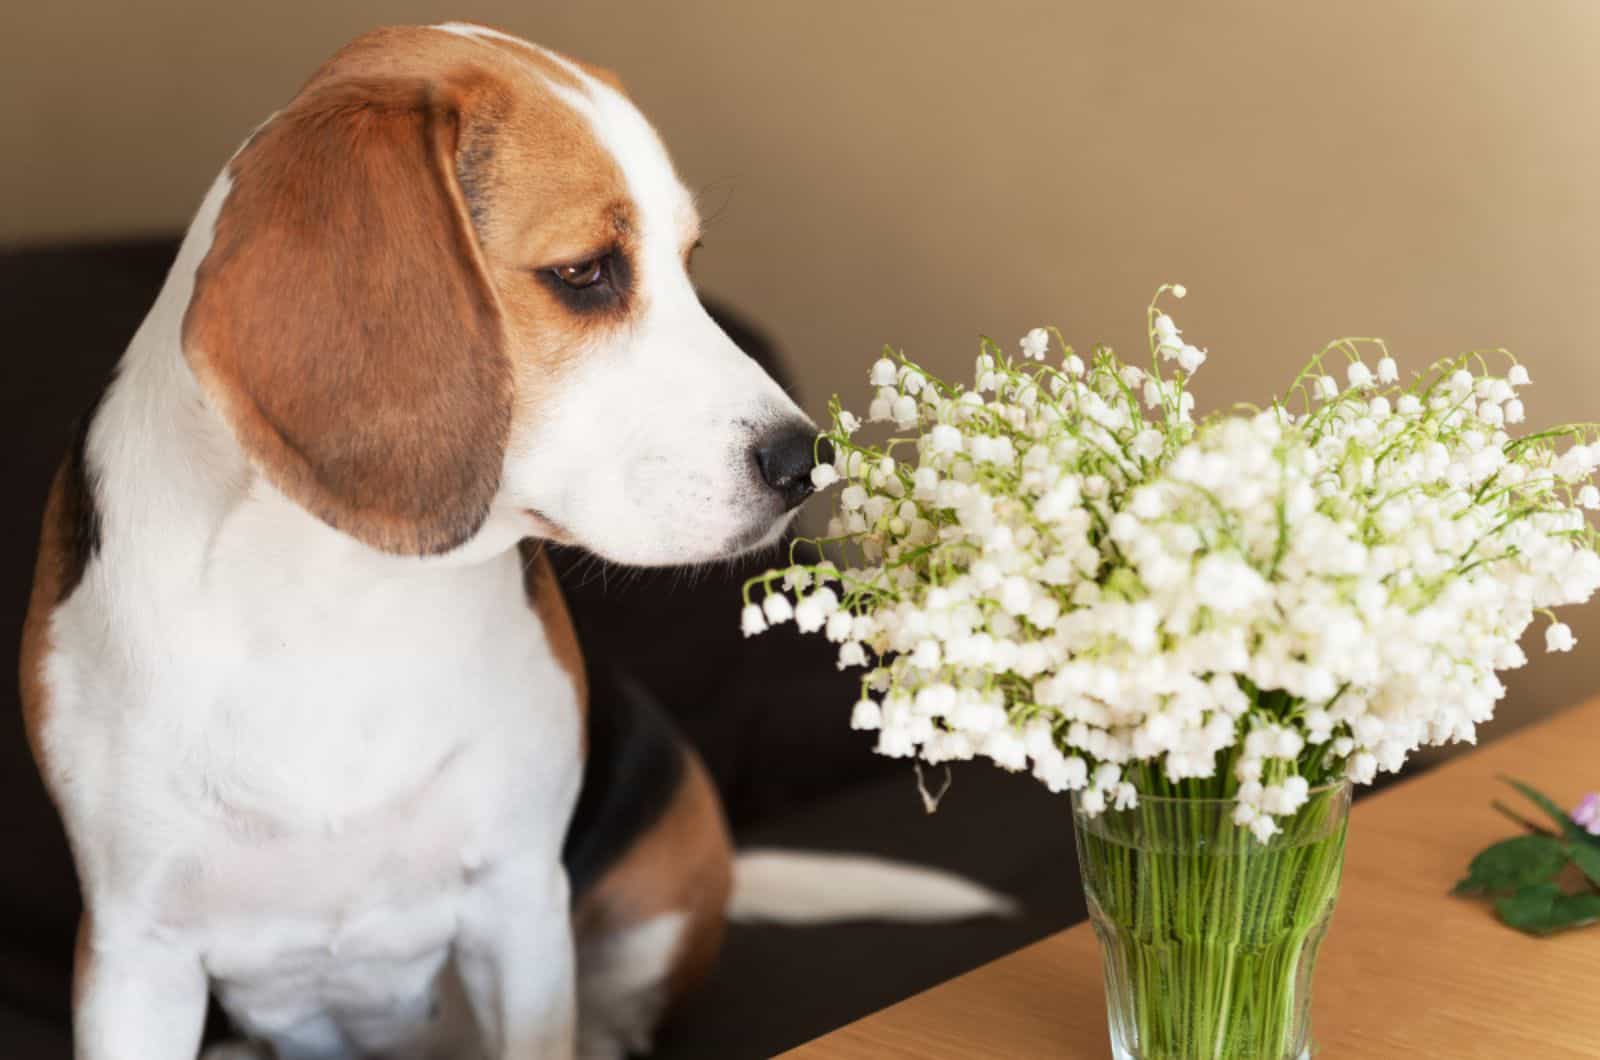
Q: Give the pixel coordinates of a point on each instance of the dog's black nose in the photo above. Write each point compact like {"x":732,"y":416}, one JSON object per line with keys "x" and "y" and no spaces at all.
{"x":785,"y":456}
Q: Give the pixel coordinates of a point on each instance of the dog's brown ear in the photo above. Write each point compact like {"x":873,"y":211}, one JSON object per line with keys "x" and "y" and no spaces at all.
{"x":344,"y":322}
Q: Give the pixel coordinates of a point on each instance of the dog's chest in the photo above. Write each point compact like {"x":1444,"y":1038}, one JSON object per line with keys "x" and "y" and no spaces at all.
{"x":308,"y":782}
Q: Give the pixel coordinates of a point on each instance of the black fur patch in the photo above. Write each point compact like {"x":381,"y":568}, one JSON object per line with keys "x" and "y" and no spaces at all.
{"x":633,"y":768}
{"x":78,"y":514}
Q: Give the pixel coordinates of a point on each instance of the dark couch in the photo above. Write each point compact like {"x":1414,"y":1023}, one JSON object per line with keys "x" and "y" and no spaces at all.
{"x":768,"y":715}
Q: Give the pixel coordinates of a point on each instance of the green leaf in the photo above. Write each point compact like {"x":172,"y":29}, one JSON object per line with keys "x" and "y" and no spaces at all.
{"x":1542,"y":909}
{"x":1576,"y":910}
{"x":1567,"y":825}
{"x":1514,"y":863}
{"x":1530,"y":909}
{"x":1587,"y":857}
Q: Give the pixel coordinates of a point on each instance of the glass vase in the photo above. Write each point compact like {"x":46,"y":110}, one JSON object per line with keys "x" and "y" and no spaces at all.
{"x":1209,"y":936}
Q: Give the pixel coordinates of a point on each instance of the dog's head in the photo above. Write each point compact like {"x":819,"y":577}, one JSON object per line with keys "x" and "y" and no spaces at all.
{"x":447,"y":299}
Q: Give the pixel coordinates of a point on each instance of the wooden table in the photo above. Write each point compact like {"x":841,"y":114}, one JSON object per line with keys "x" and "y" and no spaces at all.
{"x":1407,"y":970}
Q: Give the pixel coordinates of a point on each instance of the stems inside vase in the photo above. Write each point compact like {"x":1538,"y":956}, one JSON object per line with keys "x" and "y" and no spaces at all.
{"x":1209,"y":935}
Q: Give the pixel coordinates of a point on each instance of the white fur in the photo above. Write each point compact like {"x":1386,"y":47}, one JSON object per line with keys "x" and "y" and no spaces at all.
{"x":317,"y":777}
{"x":620,"y":986}
{"x":794,"y":888}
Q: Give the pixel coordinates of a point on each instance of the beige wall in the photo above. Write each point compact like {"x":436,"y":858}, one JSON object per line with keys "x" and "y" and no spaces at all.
{"x":917,"y":173}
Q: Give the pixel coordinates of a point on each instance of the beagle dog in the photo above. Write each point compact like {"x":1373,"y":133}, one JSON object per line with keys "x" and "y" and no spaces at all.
{"x":296,"y":672}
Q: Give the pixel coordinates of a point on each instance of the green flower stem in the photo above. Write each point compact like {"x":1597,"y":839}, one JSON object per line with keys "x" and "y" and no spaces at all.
{"x":1208,"y":935}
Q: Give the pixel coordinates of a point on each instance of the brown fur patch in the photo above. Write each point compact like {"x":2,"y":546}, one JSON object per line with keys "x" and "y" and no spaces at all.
{"x":51,"y":570}
{"x":682,"y":865}
{"x":547,"y":601}
{"x":69,"y":539}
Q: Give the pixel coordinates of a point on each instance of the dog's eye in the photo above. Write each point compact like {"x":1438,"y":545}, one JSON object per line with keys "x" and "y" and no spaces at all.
{"x":596,"y":285}
{"x":583,"y":274}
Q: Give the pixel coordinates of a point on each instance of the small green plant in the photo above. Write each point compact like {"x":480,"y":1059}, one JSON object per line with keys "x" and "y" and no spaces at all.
{"x":1547,"y":880}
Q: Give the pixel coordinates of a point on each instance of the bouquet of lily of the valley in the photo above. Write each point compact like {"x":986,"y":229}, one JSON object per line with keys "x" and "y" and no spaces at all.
{"x":1204,"y":628}
{"x":1060,"y":568}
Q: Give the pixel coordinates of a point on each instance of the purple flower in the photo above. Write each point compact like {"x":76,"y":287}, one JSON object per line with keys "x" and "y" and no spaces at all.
{"x":1588,"y":813}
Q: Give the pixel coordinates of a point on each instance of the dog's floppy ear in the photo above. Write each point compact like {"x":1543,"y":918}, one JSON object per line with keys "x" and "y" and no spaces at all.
{"x":344,"y":323}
